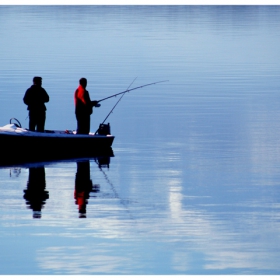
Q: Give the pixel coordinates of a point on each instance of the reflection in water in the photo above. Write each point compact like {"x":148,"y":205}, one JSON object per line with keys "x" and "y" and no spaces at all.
{"x":83,"y":186}
{"x":103,"y":161}
{"x":36,"y":194}
{"x":15,"y":172}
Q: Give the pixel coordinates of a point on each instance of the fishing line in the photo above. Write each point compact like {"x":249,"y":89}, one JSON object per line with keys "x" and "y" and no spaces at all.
{"x":123,"y":93}
{"x":122,"y":201}
{"x":119,"y":100}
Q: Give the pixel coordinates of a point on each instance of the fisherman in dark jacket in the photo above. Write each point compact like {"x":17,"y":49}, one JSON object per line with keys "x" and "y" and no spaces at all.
{"x":83,"y":107}
{"x":35,"y":98}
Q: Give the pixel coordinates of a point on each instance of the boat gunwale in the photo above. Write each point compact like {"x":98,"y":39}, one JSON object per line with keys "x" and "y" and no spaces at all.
{"x":53,"y":134}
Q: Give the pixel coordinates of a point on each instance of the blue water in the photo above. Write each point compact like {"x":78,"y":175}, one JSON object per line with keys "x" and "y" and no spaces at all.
{"x":194,"y":184}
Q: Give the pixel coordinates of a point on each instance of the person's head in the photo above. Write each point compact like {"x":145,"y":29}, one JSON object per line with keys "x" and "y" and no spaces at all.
{"x":37,"y":81}
{"x":83,"y":82}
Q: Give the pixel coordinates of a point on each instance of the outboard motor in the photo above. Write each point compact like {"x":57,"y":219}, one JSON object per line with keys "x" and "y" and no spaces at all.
{"x":104,"y":129}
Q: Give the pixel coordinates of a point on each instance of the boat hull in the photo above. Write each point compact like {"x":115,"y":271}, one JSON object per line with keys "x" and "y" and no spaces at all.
{"x":48,"y":146}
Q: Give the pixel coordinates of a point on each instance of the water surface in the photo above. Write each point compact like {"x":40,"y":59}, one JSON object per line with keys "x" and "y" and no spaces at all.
{"x":194,"y":186}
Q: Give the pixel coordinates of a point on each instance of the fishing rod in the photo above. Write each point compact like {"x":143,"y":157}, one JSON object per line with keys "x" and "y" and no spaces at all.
{"x":119,"y":100}
{"x":114,"y":95}
{"x":115,"y":105}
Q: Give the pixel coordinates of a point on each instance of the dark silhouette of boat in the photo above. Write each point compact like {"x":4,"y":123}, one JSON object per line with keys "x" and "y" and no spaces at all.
{"x":21,"y":145}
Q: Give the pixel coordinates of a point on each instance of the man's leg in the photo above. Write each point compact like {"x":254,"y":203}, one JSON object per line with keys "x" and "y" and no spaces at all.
{"x":83,"y":124}
{"x":87,"y":124}
{"x":41,"y":119}
{"x":32,"y":121}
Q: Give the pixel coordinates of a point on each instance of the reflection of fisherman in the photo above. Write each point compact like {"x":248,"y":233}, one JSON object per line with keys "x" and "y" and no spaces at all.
{"x":36,"y":193}
{"x":83,"y":186}
{"x":83,"y":107}
{"x":35,"y":98}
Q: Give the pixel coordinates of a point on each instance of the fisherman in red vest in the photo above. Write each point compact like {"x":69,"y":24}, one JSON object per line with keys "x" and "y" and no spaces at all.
{"x":83,"y":107}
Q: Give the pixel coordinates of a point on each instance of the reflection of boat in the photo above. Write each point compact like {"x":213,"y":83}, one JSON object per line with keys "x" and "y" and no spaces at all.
{"x":22,"y":145}
{"x":102,"y":159}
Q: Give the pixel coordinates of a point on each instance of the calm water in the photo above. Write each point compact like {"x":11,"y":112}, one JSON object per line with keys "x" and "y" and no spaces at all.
{"x":194,"y":186}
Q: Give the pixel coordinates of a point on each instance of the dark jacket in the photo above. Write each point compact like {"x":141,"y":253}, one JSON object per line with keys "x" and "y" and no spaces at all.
{"x":35,"y":98}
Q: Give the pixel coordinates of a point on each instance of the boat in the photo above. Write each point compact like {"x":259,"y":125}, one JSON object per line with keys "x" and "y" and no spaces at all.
{"x":22,"y":145}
